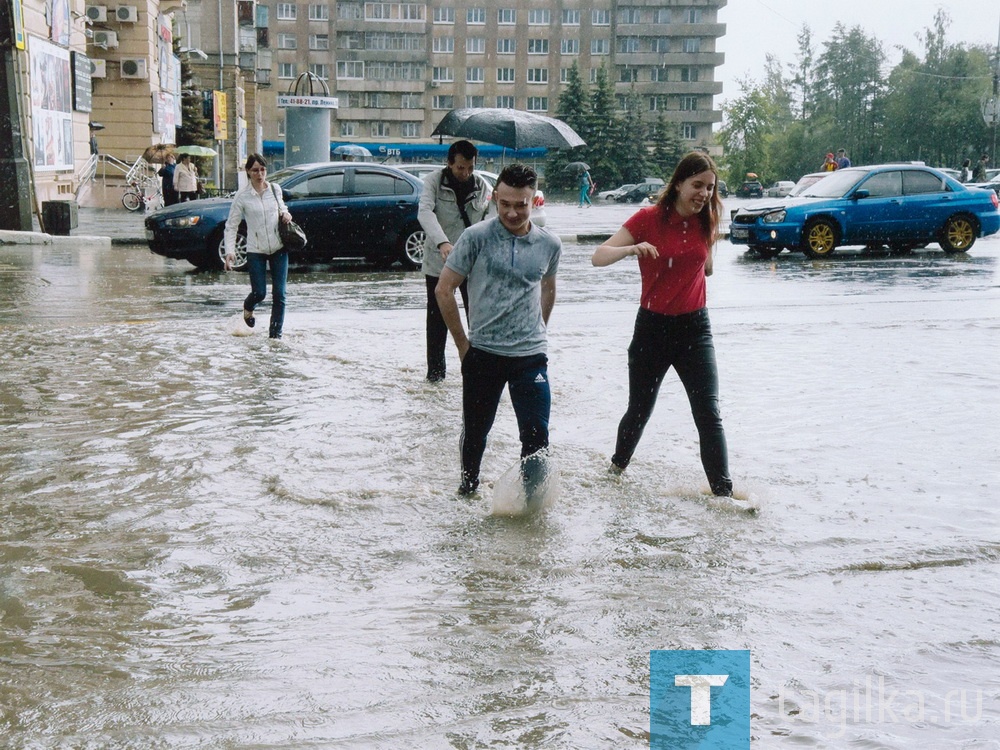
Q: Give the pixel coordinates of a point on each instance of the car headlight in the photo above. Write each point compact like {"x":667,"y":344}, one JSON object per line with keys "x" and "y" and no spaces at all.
{"x":774,"y":217}
{"x":182,"y":221}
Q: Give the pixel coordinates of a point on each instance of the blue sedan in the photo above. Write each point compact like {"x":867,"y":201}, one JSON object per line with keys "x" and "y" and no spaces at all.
{"x":902,"y":206}
{"x":347,"y":209}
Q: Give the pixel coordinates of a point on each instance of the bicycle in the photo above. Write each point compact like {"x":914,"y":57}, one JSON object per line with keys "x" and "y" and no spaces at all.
{"x":135,"y":198}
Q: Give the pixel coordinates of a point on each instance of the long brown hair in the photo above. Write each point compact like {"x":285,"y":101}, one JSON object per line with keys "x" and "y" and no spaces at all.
{"x":694,"y":163}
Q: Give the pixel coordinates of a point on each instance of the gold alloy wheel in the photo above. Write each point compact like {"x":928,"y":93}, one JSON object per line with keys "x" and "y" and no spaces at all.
{"x":959,"y":234}
{"x":821,"y":239}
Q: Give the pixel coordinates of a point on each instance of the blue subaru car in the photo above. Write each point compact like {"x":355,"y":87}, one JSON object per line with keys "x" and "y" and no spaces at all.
{"x":903,"y":206}
{"x":347,"y":209}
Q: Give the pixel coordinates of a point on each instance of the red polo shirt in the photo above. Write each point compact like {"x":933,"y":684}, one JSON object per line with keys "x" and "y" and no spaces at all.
{"x":673,"y":283}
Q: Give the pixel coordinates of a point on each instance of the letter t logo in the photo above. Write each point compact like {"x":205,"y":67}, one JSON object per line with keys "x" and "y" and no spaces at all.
{"x":701,"y":694}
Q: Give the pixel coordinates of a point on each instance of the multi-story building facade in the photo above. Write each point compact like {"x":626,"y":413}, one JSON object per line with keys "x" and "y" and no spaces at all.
{"x":398,"y":67}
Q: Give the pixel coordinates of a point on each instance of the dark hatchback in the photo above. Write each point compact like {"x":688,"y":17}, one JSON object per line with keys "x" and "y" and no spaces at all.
{"x":347,"y":209}
{"x":639,"y":193}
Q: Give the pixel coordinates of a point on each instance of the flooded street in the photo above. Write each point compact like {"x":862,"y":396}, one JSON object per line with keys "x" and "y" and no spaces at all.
{"x":219,"y":541}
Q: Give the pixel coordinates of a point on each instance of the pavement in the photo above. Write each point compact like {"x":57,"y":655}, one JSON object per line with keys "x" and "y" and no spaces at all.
{"x":103,"y":227}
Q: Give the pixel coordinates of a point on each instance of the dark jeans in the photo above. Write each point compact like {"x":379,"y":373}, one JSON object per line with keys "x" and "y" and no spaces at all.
{"x":257,"y":268}
{"x":685,"y":343}
{"x":484,"y":376}
{"x":437,"y":331}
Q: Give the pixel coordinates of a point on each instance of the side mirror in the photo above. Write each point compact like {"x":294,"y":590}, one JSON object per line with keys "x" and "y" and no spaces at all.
{"x":859,"y":194}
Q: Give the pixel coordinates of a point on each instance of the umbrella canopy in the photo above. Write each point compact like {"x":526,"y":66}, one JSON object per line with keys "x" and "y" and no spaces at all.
{"x":157,"y":153}
{"x":577,"y":166}
{"x":350,"y":149}
{"x":508,"y":127}
{"x":196,"y":150}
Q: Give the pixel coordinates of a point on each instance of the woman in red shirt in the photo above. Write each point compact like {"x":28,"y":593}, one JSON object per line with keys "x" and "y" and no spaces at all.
{"x":673,"y":242}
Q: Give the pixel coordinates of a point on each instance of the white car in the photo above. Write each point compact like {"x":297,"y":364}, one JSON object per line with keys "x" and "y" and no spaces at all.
{"x":780,"y":189}
{"x":610,"y":195}
{"x":538,"y":216}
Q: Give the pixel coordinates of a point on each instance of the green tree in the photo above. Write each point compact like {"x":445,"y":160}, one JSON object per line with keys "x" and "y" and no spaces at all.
{"x":602,"y":151}
{"x":749,"y":120}
{"x":631,"y":139}
{"x":195,"y":128}
{"x":667,"y":147}
{"x":574,"y":109}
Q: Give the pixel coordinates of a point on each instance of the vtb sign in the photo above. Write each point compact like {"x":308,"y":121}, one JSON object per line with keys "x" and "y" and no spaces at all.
{"x":699,"y":699}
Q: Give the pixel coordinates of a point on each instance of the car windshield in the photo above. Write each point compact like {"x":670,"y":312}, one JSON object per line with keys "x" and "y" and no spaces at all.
{"x":806,"y":182}
{"x":279,"y":177}
{"x":834,"y":185}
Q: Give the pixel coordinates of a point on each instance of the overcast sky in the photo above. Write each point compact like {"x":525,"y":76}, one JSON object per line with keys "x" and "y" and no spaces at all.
{"x":756,"y":27}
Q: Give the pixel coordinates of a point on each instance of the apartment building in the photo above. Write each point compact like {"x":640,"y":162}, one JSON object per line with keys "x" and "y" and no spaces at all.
{"x":398,"y":67}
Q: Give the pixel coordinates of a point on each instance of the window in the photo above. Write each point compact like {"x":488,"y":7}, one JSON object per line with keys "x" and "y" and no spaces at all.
{"x":539,"y":17}
{"x":379,"y":130}
{"x":394,"y":12}
{"x":600,"y":17}
{"x":621,"y":102}
{"x":440,"y":74}
{"x":475,"y":101}
{"x":319,"y":70}
{"x":412,"y":12}
{"x":475,"y":45}
{"x":564,"y":75}
{"x":445,"y":44}
{"x":538,"y":75}
{"x":376,"y":40}
{"x":376,"y":100}
{"x":629,"y":15}
{"x":353,"y":98}
{"x":319,"y":41}
{"x":915,"y":183}
{"x":884,"y":184}
{"x":659,"y":74}
{"x":379,"y":183}
{"x":628,"y":44}
{"x":538,"y":104}
{"x":662,"y":15}
{"x":262,"y":16}
{"x":506,"y":46}
{"x":660,"y":44}
{"x":506,"y":16}
{"x":505,"y":75}
{"x":410,"y":130}
{"x":349,"y":11}
{"x":287,"y":41}
{"x":474,"y":75}
{"x":286,"y":11}
{"x":689,"y":131}
{"x":286,"y":70}
{"x":694,"y":15}
{"x":411,"y":101}
{"x":689,"y":103}
{"x":593,"y":75}
{"x":350,"y":40}
{"x":658,"y":103}
{"x":538,"y":46}
{"x":691,"y":44}
{"x":350,"y":69}
{"x":569,"y":47}
{"x":571,"y":18}
{"x":444,"y":15}
{"x":443,"y":102}
{"x":628,"y":75}
{"x":475,"y":16}
{"x":319,"y":12}
{"x":320,"y":186}
{"x":600,"y":46}
{"x":689,"y":75}
{"x":505,"y":102}
{"x":348,"y":129}
{"x":393,"y":71}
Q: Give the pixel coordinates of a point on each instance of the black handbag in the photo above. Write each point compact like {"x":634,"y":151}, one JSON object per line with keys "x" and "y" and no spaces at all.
{"x":291,"y":234}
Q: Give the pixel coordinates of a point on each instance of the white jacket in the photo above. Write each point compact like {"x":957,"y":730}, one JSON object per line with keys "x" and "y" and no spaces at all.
{"x":185,"y":178}
{"x":261,"y":215}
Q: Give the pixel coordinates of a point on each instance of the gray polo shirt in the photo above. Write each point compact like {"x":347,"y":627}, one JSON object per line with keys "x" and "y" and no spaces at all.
{"x":505,"y":278}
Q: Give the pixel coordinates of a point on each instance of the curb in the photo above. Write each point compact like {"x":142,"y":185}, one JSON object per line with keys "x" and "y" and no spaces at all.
{"x":8,"y":237}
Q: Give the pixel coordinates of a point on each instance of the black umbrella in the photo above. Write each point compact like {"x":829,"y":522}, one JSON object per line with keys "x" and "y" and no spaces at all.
{"x":510,"y":128}
{"x":577,"y":166}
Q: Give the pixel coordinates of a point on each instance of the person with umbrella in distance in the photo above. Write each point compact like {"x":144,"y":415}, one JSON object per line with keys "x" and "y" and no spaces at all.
{"x":672,"y":242}
{"x":586,"y":183}
{"x":453,"y":199}
{"x":186,"y":179}
{"x":511,"y":267}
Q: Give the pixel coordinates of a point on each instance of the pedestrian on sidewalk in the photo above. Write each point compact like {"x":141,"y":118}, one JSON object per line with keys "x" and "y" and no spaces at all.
{"x":585,"y":184}
{"x":166,"y":174}
{"x":186,"y":179}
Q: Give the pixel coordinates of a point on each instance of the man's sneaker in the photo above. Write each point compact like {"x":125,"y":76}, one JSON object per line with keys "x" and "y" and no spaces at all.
{"x":468,"y":487}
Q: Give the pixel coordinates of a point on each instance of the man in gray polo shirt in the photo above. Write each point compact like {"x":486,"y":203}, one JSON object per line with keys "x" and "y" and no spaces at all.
{"x":511,"y":267}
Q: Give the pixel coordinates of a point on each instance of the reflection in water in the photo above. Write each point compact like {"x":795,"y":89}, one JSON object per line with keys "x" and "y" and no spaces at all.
{"x":221,"y":541}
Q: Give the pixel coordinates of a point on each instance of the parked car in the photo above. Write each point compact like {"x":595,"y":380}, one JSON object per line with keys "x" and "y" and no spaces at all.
{"x":805,"y":181}
{"x":347,"y":209}
{"x":750,"y":189}
{"x":640,"y":192}
{"x":780,"y":189}
{"x":538,"y":216}
{"x":902,"y":206}
{"x":993,"y":185}
{"x":610,"y":195}
{"x":722,"y":188}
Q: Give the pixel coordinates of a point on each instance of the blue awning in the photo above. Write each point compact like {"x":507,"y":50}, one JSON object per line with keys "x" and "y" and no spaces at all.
{"x":416,"y":151}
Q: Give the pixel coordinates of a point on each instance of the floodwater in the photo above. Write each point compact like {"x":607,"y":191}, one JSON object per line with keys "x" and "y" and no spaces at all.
{"x":219,"y":541}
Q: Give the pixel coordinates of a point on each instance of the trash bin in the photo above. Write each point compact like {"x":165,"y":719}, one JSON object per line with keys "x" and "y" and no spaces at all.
{"x":60,"y":217}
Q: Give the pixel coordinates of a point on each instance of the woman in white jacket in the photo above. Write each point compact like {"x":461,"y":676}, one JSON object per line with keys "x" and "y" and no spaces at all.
{"x":186,"y":179}
{"x":260,"y":204}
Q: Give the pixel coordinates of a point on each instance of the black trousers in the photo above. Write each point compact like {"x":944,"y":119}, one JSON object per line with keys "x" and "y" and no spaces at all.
{"x":437,"y":331}
{"x":683,"y":342}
